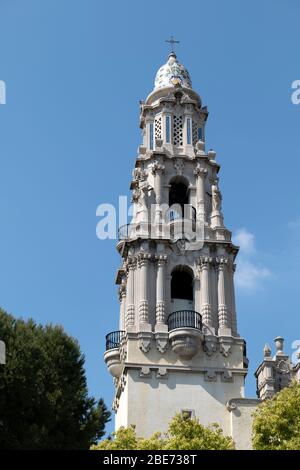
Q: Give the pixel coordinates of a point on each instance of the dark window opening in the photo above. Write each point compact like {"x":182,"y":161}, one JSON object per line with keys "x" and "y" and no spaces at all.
{"x":182,"y":285}
{"x":179,"y":194}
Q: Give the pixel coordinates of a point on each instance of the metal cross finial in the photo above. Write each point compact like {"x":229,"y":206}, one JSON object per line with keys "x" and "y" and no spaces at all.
{"x":172,"y":41}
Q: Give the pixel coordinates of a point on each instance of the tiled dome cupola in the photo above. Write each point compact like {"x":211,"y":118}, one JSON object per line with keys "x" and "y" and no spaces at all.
{"x":172,"y":73}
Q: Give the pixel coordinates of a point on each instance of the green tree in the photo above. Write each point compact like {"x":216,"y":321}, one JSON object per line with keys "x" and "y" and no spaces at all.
{"x":183,"y":434}
{"x":276,"y":423}
{"x":44,"y":402}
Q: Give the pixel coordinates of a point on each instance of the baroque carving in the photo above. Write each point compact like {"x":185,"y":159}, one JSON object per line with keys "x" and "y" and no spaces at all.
{"x":225,"y":349}
{"x":210,"y":346}
{"x":179,"y":166}
{"x":162,"y":340}
{"x":157,"y":167}
{"x":145,"y":341}
{"x":200,"y":171}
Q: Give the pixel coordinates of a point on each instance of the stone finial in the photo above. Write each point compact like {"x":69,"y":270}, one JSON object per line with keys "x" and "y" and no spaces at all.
{"x":279,"y":340}
{"x":200,"y":147}
{"x":267,"y":351}
{"x":211,"y":154}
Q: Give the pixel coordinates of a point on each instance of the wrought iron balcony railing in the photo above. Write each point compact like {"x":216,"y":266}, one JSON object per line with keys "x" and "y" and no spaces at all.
{"x":184,"y":319}
{"x":125,"y":231}
{"x":113,"y":339}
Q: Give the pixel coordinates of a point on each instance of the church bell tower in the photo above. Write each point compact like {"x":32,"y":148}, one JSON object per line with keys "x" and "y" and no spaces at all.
{"x":177,"y":349}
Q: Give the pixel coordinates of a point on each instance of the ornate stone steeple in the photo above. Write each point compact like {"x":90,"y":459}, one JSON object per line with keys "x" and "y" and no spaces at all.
{"x":178,"y":347}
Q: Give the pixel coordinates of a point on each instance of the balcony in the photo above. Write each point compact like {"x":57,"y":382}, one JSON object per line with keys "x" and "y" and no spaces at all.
{"x":185,"y":332}
{"x":113,"y":339}
{"x":112,"y":353}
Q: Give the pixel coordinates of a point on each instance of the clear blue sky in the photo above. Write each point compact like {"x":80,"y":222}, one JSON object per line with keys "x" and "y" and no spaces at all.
{"x":75,"y":71}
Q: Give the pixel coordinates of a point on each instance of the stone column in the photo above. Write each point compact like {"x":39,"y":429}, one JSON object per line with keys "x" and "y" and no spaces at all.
{"x":232,"y":297}
{"x":160,"y":290}
{"x":205,"y":291}
{"x":158,"y":169}
{"x":122,"y":298}
{"x":130,"y":311}
{"x":143,"y":305}
{"x":222,"y":307}
{"x":200,"y":173}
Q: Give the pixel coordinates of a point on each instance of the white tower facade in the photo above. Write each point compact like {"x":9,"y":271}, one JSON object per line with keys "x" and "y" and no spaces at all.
{"x":177,"y":348}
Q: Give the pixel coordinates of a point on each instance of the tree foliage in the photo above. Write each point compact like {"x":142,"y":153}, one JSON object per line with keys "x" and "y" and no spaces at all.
{"x":276,"y":424}
{"x":183,"y":434}
{"x":44,"y":401}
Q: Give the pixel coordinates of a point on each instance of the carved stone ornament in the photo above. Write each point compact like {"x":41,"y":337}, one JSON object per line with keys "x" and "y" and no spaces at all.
{"x":123,"y":352}
{"x":210,"y":376}
{"x":225,"y":349}
{"x":200,"y":171}
{"x":283,"y":367}
{"x":216,"y":198}
{"x":162,"y":340}
{"x":136,"y":193}
{"x":157,"y":166}
{"x":181,"y":245}
{"x":227,"y":376}
{"x":115,"y":404}
{"x":162,"y":373}
{"x":139,"y":174}
{"x":145,"y":341}
{"x":210,"y":346}
{"x":179,"y":166}
{"x":122,"y":383}
{"x":145,"y":372}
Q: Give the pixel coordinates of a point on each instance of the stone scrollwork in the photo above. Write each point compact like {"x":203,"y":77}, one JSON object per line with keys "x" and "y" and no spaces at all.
{"x":210,"y":345}
{"x":200,"y":171}
{"x":162,"y":340}
{"x":157,"y":166}
{"x":179,"y":166}
{"x":145,"y":341}
{"x":225,"y":349}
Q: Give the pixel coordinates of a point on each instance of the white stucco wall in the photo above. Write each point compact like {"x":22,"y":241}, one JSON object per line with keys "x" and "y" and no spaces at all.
{"x":150,"y":403}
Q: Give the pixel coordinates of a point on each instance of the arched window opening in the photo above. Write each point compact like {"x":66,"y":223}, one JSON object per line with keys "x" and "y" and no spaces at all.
{"x":178,"y":194}
{"x":182,"y":285}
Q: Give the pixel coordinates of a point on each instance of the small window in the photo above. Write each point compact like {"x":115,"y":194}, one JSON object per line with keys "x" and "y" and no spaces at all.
{"x":151,"y":136}
{"x":200,"y":133}
{"x":189,"y":131}
{"x":168,"y":129}
{"x":187,"y":414}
